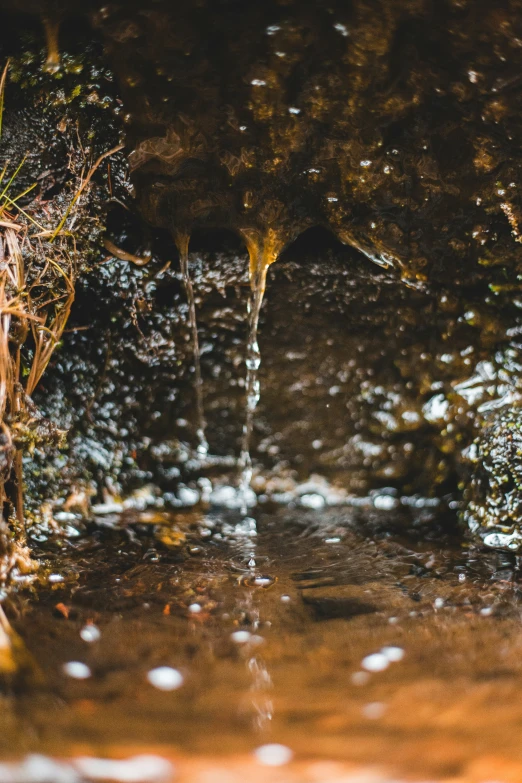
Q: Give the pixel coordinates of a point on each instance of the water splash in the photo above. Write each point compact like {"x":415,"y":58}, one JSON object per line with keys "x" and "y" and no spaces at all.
{"x":182,"y":243}
{"x":263,"y":250}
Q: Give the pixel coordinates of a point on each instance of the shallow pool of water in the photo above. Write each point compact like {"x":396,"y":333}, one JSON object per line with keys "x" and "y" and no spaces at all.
{"x":369,"y":655}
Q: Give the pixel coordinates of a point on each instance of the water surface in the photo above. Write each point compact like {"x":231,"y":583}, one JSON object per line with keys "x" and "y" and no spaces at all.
{"x":271,"y":635}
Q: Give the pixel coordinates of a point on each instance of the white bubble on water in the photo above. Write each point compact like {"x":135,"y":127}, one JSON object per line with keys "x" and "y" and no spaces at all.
{"x":165,"y":678}
{"x":240,"y":637}
{"x":385,"y":502}
{"x":77,"y":670}
{"x":137,"y":769}
{"x":376,"y":662}
{"x":393,"y":654}
{"x":374,"y":710}
{"x":90,"y":633}
{"x":312,"y":500}
{"x":273,"y":755}
{"x":360,"y":678}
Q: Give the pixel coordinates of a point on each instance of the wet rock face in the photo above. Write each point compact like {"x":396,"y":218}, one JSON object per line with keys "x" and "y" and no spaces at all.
{"x":394,"y":126}
{"x":495,"y":494}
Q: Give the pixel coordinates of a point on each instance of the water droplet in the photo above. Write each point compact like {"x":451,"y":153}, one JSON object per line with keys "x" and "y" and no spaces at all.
{"x":341,"y":28}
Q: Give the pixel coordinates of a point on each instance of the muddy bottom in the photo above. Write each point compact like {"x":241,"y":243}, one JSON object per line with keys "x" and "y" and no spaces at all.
{"x":369,"y":655}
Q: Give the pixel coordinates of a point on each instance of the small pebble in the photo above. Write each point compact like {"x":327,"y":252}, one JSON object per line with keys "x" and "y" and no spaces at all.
{"x":273,"y":755}
{"x":195,"y":608}
{"x":285,"y":599}
{"x":77,"y":670}
{"x":164,"y":678}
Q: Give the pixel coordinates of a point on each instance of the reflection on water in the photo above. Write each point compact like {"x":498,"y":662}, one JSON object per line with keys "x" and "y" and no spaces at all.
{"x":322,"y":646}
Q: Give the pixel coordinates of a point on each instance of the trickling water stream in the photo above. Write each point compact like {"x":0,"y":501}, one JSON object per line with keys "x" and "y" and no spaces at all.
{"x":182,"y":242}
{"x":262,"y":253}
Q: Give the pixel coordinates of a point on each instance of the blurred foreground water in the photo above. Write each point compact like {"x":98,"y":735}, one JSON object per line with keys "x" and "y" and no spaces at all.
{"x":354,"y":644}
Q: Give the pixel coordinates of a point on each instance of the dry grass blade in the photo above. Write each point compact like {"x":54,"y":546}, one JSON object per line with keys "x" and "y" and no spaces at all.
{"x":38,"y":274}
{"x":82,"y":188}
{"x":46,"y":340}
{"x":15,"y":658}
{"x":3,"y":80}
{"x":7,"y":659}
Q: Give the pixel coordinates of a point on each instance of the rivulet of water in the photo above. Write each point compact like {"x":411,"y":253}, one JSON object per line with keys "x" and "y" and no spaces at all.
{"x":263,"y":251}
{"x":182,"y":243}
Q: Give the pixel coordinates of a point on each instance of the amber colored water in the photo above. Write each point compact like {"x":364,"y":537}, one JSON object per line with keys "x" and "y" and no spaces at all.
{"x":319,"y":593}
